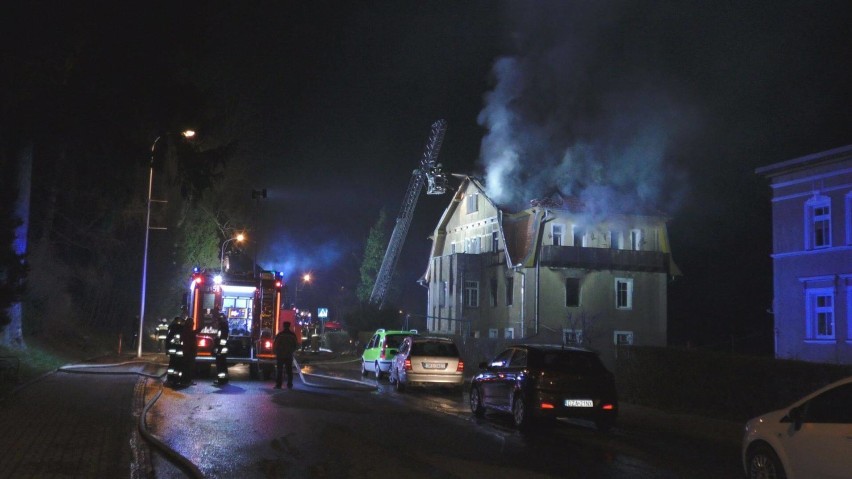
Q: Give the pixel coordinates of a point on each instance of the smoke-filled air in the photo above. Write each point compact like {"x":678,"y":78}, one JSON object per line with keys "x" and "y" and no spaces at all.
{"x":560,"y":118}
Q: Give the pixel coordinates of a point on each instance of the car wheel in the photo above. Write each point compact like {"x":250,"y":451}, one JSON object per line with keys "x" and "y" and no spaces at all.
{"x":363,"y":368}
{"x":378,"y":372}
{"x":520,"y":413}
{"x":476,"y":406}
{"x":763,"y":463}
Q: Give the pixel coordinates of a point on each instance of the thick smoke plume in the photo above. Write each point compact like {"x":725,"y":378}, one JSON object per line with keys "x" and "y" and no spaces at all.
{"x":577,"y":110}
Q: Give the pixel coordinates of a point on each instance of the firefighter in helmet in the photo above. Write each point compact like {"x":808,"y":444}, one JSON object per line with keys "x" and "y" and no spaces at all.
{"x":174,"y":348}
{"x":190,"y":351}
{"x":162,"y":333}
{"x":221,"y":349}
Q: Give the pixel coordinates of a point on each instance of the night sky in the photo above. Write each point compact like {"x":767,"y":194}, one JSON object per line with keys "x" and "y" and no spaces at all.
{"x":666,"y":105}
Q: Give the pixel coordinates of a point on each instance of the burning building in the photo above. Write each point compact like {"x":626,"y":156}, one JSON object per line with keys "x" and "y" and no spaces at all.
{"x":549,"y":273}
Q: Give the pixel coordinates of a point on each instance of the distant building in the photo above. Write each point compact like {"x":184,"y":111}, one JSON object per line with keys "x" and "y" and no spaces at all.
{"x":548,"y":273}
{"x":812,"y":256}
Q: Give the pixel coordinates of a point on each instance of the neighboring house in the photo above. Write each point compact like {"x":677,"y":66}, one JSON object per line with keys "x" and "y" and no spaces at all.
{"x":548,"y":274}
{"x":812,"y":256}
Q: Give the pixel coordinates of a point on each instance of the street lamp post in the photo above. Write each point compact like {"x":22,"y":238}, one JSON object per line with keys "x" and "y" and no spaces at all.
{"x":239,"y":238}
{"x":186,"y":134}
{"x":306,"y":278}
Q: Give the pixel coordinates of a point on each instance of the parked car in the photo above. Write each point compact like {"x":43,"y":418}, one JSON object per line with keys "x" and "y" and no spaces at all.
{"x":380,"y":351}
{"x":811,"y":438}
{"x":542,"y":382}
{"x":425,"y":361}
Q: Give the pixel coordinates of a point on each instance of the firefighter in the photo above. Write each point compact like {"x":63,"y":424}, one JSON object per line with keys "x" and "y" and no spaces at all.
{"x":162,"y":333}
{"x":285,"y":346}
{"x":174,"y":350}
{"x":190,"y":350}
{"x":221,"y":350}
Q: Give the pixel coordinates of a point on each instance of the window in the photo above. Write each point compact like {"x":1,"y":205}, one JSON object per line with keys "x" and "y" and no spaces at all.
{"x":519,"y":359}
{"x":614,"y":240}
{"x":818,"y":222}
{"x":557,"y":232}
{"x":849,"y":218}
{"x":492,"y":333}
{"x":636,"y":240}
{"x":472,"y":206}
{"x":472,"y":246}
{"x":830,"y":407}
{"x":572,"y":336}
{"x":471,"y":294}
{"x":623,"y":293}
{"x":453,"y":248}
{"x":494,"y":242}
{"x":572,"y":292}
{"x":442,"y":294}
{"x":622,"y":338}
{"x":510,"y":290}
{"x":820,"y":313}
{"x":493,"y":292}
{"x":502,"y":359}
{"x":578,"y":234}
{"x":509,"y":333}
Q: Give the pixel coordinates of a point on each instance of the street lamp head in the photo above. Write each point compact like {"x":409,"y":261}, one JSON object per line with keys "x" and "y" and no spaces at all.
{"x":188,"y":133}
{"x":240,"y":237}
{"x":306,"y":278}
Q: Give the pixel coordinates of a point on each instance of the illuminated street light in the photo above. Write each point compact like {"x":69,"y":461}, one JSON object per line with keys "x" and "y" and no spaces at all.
{"x":239,"y":238}
{"x":186,"y":134}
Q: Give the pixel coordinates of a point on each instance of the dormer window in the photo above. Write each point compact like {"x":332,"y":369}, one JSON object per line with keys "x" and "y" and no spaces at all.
{"x":557,"y":232}
{"x":818,"y":222}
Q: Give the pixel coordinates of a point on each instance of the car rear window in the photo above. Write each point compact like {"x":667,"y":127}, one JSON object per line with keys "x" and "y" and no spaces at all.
{"x":394,"y":340}
{"x":434,"y":348}
{"x":567,"y":361}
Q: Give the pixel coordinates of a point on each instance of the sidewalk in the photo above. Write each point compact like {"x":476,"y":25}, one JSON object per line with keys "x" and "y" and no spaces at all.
{"x":75,"y":424}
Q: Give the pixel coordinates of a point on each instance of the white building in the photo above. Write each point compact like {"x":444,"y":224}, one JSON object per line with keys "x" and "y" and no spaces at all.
{"x":547,"y":274}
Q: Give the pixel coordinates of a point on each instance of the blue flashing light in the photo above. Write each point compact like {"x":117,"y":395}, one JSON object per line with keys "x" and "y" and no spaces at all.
{"x":196,"y":269}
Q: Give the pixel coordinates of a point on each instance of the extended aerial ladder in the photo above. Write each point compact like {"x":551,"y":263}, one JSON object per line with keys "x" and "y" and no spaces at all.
{"x":429,"y":172}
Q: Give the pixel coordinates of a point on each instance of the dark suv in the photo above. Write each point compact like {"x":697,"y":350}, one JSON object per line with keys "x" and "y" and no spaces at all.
{"x":535,"y":382}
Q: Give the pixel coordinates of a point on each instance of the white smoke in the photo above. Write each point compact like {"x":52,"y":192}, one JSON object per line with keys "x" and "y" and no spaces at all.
{"x":561,"y":118}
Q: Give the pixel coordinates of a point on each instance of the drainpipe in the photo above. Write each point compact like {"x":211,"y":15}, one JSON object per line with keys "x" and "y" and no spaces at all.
{"x":523,"y":297}
{"x":538,"y":266}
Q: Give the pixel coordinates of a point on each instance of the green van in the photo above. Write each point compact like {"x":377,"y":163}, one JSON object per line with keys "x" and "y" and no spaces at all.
{"x":380,"y":351}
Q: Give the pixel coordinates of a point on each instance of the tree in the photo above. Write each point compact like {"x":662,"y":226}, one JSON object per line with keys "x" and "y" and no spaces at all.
{"x":374,"y":253}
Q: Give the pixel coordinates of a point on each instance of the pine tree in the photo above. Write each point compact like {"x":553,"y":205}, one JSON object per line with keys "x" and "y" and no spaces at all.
{"x":374,"y":253}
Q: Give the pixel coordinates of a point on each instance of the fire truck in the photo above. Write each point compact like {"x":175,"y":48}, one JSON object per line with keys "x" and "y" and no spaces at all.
{"x":254,"y":306}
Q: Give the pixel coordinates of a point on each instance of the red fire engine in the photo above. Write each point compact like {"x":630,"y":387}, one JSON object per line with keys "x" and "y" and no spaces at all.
{"x":253,"y":307}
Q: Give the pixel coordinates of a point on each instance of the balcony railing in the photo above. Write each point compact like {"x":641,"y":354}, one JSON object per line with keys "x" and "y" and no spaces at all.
{"x":604,"y":258}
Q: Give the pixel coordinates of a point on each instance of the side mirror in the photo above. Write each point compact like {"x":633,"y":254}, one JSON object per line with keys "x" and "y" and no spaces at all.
{"x":796,"y":417}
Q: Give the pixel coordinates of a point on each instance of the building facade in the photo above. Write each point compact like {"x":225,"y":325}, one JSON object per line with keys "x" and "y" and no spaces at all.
{"x":812,"y":256}
{"x":548,"y":274}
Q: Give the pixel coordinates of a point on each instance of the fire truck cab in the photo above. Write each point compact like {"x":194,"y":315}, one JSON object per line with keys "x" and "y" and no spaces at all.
{"x":252,"y":306}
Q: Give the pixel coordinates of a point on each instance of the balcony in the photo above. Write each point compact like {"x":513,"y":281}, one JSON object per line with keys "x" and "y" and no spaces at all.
{"x":604,"y":258}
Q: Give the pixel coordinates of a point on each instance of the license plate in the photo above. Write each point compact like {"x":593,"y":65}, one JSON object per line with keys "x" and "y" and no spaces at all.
{"x":434,"y":365}
{"x":579,"y":403}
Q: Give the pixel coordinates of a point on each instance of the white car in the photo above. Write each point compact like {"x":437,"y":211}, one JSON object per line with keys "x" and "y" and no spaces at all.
{"x":812,"y":438}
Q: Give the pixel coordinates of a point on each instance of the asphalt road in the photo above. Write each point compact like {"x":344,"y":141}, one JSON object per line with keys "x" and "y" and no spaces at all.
{"x":85,"y":423}
{"x":361,"y":428}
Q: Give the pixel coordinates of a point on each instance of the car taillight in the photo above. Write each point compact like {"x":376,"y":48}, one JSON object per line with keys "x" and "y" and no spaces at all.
{"x":460,"y":367}
{"x":407,"y":365}
{"x":202,"y":343}
{"x":547,"y":405}
{"x":384,"y":346}
{"x":607,"y":407}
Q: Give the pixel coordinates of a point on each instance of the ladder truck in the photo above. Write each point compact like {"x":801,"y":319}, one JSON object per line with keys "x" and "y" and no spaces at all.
{"x":430,"y":173}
